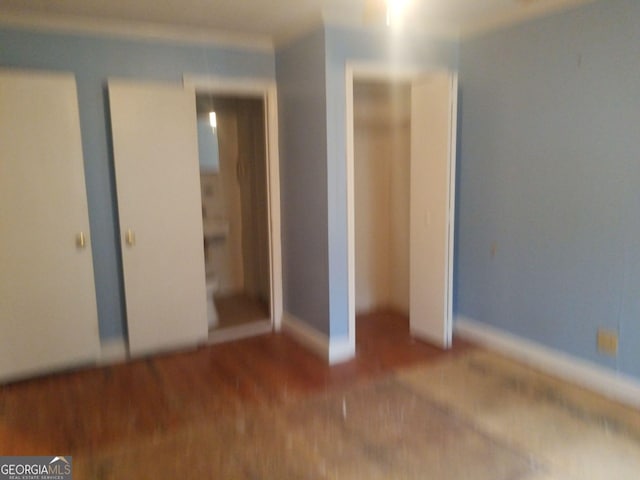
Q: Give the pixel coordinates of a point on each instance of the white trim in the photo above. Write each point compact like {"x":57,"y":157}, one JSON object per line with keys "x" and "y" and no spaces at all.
{"x":334,"y":351}
{"x":306,"y":335}
{"x":453,"y":144}
{"x":515,"y":16}
{"x":351,"y":210}
{"x":273,"y":190}
{"x":520,"y":12}
{"x":200,"y":35}
{"x":434,"y":30}
{"x":113,"y":350}
{"x":266,"y":89}
{"x":341,"y":350}
{"x":260,"y":327}
{"x":607,"y":382}
{"x":232,"y":86}
{"x":134,"y":30}
{"x":385,"y":71}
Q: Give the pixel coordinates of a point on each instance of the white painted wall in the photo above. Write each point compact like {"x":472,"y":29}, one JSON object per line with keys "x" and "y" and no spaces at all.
{"x":372,"y":217}
{"x":399,"y":218}
{"x":381,"y":147}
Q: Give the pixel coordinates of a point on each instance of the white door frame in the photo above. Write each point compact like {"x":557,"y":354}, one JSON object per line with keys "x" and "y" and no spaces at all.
{"x":266,"y":90}
{"x":381,"y":71}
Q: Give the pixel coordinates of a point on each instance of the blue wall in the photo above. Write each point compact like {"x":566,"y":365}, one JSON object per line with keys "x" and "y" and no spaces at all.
{"x":303,"y":170}
{"x":550,"y":171}
{"x":312,"y":101}
{"x":548,"y":165}
{"x":93,"y":60}
{"x":383,"y":49}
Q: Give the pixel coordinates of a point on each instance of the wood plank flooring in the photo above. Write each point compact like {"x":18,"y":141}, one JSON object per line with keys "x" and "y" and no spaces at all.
{"x":83,"y":411}
{"x":266,"y":407}
{"x":239,"y":309}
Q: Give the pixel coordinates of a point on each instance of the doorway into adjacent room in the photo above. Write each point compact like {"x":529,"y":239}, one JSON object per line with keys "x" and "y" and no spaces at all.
{"x":240,"y":206}
{"x":233,"y":177}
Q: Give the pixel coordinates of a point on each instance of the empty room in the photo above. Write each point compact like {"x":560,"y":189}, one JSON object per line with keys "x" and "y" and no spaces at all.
{"x":322,"y":239}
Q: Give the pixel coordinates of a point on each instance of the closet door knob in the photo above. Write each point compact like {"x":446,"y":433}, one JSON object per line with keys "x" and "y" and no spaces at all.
{"x":130,"y":237}
{"x":81,"y":240}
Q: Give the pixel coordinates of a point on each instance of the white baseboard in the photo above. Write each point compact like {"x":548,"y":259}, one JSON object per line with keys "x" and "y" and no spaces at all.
{"x":113,"y":350}
{"x":341,"y":350}
{"x":609,"y":383}
{"x":334,"y":351}
{"x":261,"y":327}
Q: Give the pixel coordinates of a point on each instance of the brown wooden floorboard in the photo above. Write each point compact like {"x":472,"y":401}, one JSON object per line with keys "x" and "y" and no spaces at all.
{"x":86,"y":410}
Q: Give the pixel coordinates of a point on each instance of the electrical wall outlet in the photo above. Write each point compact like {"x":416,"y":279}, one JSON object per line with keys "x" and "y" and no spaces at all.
{"x":607,"y":342}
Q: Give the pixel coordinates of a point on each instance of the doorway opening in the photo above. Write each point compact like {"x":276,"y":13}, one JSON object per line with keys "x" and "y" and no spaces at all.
{"x":381,"y":146}
{"x":233,"y":178}
{"x":240,"y":187}
{"x":401,"y":136}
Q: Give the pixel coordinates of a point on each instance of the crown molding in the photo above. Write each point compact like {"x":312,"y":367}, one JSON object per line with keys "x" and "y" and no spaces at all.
{"x":332,"y":19}
{"x":428,"y":31}
{"x":530,"y":10}
{"x":134,"y":30}
{"x":527,"y":10}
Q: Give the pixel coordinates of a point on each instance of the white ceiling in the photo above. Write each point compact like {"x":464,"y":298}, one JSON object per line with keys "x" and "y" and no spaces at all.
{"x":272,"y":20}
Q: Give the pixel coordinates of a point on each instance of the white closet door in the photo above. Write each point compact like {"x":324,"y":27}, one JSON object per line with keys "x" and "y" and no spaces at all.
{"x":433,"y":115}
{"x":48,"y":315}
{"x":159,"y":206}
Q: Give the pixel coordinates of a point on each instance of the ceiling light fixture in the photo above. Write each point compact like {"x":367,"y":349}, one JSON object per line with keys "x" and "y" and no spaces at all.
{"x":213,"y":121}
{"x":395,"y":11}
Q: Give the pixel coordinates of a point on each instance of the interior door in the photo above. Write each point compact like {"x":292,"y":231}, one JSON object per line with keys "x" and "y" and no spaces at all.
{"x":433,"y":118}
{"x":48,"y":315}
{"x":155,"y":149}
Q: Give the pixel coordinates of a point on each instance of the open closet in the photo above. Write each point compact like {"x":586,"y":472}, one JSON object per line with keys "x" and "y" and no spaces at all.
{"x":401,"y":138}
{"x":382,"y":112}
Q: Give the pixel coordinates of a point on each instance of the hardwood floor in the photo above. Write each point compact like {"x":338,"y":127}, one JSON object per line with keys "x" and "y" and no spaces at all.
{"x":83,"y":411}
{"x":383,"y":343}
{"x":239,"y":309}
{"x":266,"y":407}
